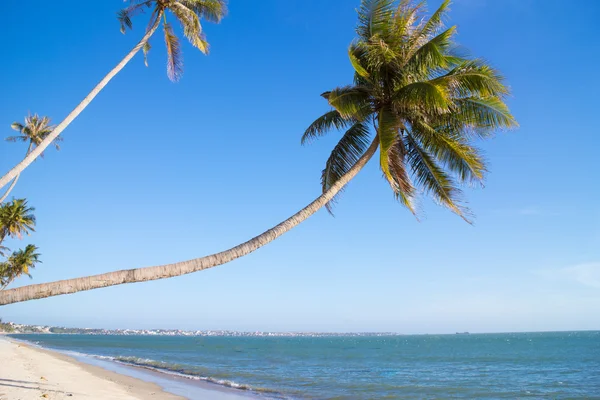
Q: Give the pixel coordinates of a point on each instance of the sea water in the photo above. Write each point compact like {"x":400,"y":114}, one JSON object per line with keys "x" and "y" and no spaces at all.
{"x":558,"y":365}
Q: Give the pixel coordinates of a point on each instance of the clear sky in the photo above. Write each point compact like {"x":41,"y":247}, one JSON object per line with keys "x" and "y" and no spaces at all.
{"x":154,"y":172}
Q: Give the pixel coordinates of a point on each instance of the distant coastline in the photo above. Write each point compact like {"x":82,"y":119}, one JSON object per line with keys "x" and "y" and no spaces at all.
{"x":16,"y":329}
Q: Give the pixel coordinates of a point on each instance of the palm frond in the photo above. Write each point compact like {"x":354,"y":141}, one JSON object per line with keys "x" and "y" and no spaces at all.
{"x":192,"y":29}
{"x":431,"y":55}
{"x":350,"y":101}
{"x":433,"y":24}
{"x":17,"y":139}
{"x":124,"y":16}
{"x":374,"y":18}
{"x":344,"y":155}
{"x":174,"y":56}
{"x":324,"y":124}
{"x":406,"y":15}
{"x":433,"y":179}
{"x":484,"y":115}
{"x":356,"y":53}
{"x":473,"y":78}
{"x":211,"y":10}
{"x":401,"y":183}
{"x":387,"y":130}
{"x":17,"y":126}
{"x":451,"y":149}
{"x":423,"y":96}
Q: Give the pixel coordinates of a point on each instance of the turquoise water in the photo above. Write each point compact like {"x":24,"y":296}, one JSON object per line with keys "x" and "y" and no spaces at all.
{"x":563,"y":365}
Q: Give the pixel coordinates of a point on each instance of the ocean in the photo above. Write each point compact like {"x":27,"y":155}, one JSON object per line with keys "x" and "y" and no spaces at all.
{"x":556,"y":365}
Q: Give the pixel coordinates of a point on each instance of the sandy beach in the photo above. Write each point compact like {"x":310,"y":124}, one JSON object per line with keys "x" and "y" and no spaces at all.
{"x":28,"y":373}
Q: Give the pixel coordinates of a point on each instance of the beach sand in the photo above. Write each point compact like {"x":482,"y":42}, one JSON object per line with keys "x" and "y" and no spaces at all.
{"x":28,"y":373}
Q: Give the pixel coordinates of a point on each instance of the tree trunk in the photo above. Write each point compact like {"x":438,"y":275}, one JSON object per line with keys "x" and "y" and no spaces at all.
{"x":14,"y":182}
{"x":10,"y":188}
{"x":84,"y":103}
{"x":185,"y":267}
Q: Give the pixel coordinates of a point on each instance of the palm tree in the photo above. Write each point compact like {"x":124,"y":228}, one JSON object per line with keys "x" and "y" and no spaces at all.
{"x":412,"y":98}
{"x":19,"y":263}
{"x":35,"y":130}
{"x":187,"y":12}
{"x":16,"y":219}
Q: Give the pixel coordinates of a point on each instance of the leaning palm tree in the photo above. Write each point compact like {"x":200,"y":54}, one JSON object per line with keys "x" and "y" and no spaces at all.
{"x":189,"y":14}
{"x":19,"y":263}
{"x":34,"y":131}
{"x":413,"y":99}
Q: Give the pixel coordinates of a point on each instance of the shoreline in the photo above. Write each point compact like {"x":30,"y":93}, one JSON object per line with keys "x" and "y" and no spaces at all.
{"x":30,"y":372}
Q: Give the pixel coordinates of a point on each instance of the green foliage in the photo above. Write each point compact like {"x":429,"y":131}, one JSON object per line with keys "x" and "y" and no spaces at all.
{"x":19,"y":263}
{"x":189,"y":13}
{"x":423,"y":102}
{"x":16,"y":219}
{"x":34,"y":131}
{"x":5,"y":327}
{"x":345,"y":154}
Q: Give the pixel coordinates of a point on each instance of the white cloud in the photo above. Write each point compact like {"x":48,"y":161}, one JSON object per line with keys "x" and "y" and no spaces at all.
{"x":587,"y":274}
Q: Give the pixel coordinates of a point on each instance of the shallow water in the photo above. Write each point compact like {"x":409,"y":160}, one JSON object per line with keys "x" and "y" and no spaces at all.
{"x":477,"y":366}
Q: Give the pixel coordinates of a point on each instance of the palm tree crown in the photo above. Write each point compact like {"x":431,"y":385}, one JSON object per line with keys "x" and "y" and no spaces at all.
{"x":34,"y":131}
{"x":425,"y":101}
{"x":19,"y":263}
{"x":188,"y":13}
{"x":16,"y":218}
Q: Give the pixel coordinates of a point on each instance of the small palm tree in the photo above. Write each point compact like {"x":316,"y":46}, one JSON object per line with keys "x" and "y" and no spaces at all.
{"x":34,"y":131}
{"x":413,"y":99}
{"x":16,"y":219}
{"x":21,"y":262}
{"x":188,"y":12}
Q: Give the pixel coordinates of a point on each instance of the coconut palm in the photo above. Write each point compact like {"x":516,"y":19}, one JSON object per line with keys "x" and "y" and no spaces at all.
{"x":424,"y":102}
{"x":189,"y":13}
{"x":16,"y":219}
{"x":19,"y":263}
{"x":413,"y":99}
{"x":34,"y":131}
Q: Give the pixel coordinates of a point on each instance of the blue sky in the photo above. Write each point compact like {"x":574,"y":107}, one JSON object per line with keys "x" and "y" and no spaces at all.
{"x":155,"y":172}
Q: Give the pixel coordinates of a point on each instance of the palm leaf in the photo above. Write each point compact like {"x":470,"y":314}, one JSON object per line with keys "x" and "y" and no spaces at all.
{"x":433,"y":179}
{"x":350,"y":101}
{"x":450,"y":148}
{"x":431,"y":55}
{"x":433,"y":24}
{"x":124,"y":16}
{"x":192,"y":29}
{"x":473,"y":78}
{"x":484,"y":115}
{"x":388,"y":135}
{"x":401,"y":183}
{"x":375,"y":18}
{"x":407,"y":13}
{"x":324,"y":124}
{"x":344,"y":155}
{"x":422,"y":96}
{"x":174,"y":56}
{"x":211,"y":10}
{"x":356,"y":52}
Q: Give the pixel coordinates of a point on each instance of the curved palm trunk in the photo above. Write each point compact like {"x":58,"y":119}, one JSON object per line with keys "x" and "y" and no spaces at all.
{"x":13,"y":173}
{"x":185,"y":267}
{"x":14,"y":182}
